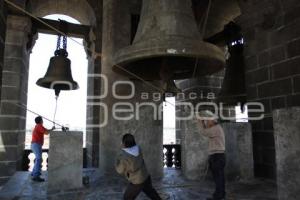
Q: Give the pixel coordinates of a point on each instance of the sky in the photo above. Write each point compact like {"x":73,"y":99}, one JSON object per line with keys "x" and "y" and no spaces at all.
{"x":71,"y":108}
{"x":169,"y":122}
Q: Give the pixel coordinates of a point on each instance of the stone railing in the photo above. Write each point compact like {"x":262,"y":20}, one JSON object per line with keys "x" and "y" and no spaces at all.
{"x":172,"y":156}
{"x":28,"y":159}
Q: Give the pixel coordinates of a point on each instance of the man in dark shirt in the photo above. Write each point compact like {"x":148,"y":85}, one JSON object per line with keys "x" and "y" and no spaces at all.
{"x":36,"y":146}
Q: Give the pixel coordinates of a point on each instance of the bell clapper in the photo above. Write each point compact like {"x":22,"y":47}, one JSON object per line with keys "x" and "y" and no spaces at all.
{"x":168,"y":85}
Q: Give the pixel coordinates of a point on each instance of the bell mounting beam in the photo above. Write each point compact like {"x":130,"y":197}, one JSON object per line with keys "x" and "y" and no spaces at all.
{"x":74,"y":30}
{"x":221,"y":38}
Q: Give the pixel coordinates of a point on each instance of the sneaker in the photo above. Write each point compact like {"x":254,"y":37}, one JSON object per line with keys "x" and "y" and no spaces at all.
{"x":38,"y":179}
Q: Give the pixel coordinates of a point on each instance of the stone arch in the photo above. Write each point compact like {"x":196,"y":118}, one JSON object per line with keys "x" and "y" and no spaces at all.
{"x":80,"y":10}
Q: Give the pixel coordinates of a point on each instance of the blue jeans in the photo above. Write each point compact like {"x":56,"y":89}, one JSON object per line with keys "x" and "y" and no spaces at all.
{"x":37,"y":150}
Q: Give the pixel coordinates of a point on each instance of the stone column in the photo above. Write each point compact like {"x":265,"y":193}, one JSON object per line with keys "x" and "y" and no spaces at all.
{"x":148,"y":131}
{"x":239,"y":153}
{"x":65,"y":161}
{"x":287,"y":143}
{"x":93,"y":50}
{"x":194,"y":146}
{"x":92,"y":117}
{"x":14,"y":91}
{"x":194,"y":155}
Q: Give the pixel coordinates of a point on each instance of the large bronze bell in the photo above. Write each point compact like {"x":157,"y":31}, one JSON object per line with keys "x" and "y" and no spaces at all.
{"x":168,"y":37}
{"x":58,"y":75}
{"x":233,"y":89}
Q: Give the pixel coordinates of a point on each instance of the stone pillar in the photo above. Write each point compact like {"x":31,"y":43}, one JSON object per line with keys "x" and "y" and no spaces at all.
{"x":93,"y":49}
{"x":194,"y":155}
{"x":287,"y":142}
{"x":14,"y":91}
{"x":92,"y":114}
{"x":239,"y":154}
{"x":65,"y":161}
{"x":148,"y":131}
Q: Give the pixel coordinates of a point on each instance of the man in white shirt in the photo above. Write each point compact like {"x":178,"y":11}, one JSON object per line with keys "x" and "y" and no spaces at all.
{"x":209,"y":127}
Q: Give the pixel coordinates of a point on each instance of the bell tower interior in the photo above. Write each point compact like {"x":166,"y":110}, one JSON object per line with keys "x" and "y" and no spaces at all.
{"x":208,"y":55}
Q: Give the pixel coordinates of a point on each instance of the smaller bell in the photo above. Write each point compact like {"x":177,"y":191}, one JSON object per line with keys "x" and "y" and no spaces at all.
{"x":233,"y":89}
{"x":59,"y":75}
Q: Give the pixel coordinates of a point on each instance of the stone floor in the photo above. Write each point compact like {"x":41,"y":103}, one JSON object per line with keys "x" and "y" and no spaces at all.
{"x":172,"y":186}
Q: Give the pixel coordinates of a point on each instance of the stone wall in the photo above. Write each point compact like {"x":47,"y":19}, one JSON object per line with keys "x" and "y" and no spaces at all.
{"x":3,"y":13}
{"x":272,"y":38}
{"x":287,"y":141}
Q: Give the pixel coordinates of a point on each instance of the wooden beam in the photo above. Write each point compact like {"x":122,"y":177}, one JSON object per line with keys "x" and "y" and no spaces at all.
{"x":217,"y":39}
{"x":73,"y":30}
{"x":231,"y":32}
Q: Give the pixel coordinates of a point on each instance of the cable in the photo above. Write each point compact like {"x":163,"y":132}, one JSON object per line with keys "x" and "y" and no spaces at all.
{"x":24,"y":107}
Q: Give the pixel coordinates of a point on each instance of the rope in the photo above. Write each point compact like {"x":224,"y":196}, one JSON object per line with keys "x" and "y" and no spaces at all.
{"x":55,"y":110}
{"x":195,"y":67}
{"x":202,"y":33}
{"x":205,"y":19}
{"x":24,"y":107}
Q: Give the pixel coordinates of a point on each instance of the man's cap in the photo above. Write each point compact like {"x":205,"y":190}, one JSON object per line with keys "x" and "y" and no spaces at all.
{"x":207,"y":115}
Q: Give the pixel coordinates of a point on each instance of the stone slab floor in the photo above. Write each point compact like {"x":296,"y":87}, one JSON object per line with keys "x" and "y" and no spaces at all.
{"x":172,"y":186}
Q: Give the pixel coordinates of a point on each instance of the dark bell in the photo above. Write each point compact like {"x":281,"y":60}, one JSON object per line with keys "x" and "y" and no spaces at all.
{"x":59,"y":75}
{"x":233,"y":90}
{"x":168,"y":37}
